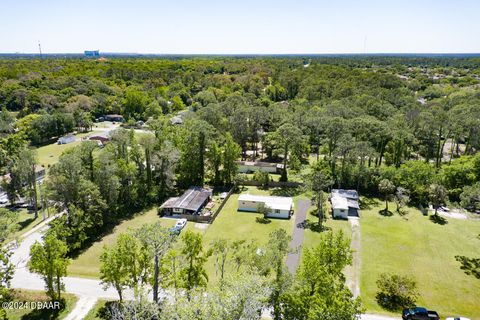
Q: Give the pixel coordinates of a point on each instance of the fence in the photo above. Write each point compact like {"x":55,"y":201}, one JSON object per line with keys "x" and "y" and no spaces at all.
{"x":224,"y":201}
{"x":273,"y":184}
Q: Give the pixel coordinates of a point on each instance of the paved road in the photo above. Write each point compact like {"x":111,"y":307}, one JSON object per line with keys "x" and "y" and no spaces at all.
{"x":293,"y":258}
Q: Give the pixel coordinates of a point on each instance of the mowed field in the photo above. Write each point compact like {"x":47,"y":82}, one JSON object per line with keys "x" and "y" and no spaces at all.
{"x":49,"y":154}
{"x":414,"y":245}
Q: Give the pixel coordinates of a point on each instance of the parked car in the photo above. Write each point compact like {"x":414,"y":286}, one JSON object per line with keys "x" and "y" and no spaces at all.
{"x":419,"y":313}
{"x":457,"y":318}
{"x":179,"y":226}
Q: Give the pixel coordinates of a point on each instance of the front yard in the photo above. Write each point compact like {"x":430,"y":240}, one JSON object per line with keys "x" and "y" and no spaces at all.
{"x":414,"y":245}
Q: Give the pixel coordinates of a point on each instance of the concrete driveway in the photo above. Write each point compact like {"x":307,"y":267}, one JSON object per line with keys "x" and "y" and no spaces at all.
{"x":293,"y":257}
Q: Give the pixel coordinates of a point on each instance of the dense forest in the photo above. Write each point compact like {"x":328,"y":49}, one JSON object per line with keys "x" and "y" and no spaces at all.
{"x":396,"y":126}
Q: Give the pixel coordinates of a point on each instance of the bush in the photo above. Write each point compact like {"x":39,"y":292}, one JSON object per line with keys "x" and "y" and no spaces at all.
{"x":396,"y":292}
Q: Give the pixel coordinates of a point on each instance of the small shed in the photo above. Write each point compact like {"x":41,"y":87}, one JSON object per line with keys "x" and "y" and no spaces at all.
{"x":66,"y":139}
{"x":280,"y":207}
{"x":344,"y":203}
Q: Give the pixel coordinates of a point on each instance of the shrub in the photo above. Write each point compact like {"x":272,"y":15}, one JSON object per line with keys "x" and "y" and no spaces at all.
{"x":396,"y":291}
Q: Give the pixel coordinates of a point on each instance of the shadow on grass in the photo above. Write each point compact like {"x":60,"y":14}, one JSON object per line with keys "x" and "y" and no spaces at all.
{"x":263,"y":220}
{"x":471,"y":266}
{"x":438,"y":219}
{"x":23,"y":224}
{"x":107,"y":229}
{"x":313,"y":226}
{"x":367,"y":203}
{"x":385,"y":213}
{"x":44,"y":314}
{"x":286,"y":192}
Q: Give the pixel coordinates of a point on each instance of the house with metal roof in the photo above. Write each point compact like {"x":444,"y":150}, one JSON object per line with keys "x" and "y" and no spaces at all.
{"x":344,"y":203}
{"x":191,"y":202}
{"x":280,"y":207}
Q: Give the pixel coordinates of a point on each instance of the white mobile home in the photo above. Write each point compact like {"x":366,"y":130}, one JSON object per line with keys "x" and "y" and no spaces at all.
{"x":250,"y":166}
{"x":280,"y":207}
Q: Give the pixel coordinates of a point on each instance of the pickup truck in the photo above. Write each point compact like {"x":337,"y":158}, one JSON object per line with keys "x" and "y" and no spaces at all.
{"x":419,"y":313}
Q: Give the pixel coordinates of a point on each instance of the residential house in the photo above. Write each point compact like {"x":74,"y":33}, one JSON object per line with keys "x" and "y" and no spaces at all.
{"x":191,"y":202}
{"x":250,"y":166}
{"x":66,"y":139}
{"x":280,"y":207}
{"x":344,"y":203}
{"x":103,"y":138}
{"x":114,"y":118}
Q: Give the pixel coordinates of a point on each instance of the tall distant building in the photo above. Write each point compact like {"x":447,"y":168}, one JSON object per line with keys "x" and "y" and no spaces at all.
{"x":93,"y":53}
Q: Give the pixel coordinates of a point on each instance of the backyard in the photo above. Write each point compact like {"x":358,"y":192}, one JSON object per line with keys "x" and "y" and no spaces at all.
{"x":412,"y":244}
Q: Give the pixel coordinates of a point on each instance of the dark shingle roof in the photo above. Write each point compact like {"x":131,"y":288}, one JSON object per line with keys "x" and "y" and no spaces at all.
{"x":192,"y":199}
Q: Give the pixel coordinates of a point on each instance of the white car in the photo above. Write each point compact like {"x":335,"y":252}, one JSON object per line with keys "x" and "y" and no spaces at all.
{"x":179,"y":225}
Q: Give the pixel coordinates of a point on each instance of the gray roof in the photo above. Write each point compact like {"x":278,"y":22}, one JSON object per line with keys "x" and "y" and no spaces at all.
{"x":344,"y":198}
{"x":349,"y":194}
{"x":192,"y":199}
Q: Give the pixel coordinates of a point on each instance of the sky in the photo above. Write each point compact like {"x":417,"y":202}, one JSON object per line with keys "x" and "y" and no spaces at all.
{"x":241,"y":26}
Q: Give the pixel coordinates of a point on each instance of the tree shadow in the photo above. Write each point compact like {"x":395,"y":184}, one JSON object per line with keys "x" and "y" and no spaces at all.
{"x":367,"y":203}
{"x":438,"y":219}
{"x":23,"y":224}
{"x":313,"y":226}
{"x":286,"y":192}
{"x":470,"y":266}
{"x":385,"y":213}
{"x":263,"y":220}
{"x":44,"y":314}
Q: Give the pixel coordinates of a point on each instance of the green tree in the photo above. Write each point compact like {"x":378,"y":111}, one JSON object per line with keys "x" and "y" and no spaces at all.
{"x":278,"y":247}
{"x":127,"y":264}
{"x":288,"y":137}
{"x":396,"y":292}
{"x":231,"y":152}
{"x":319,"y":291}
{"x":318,"y":180}
{"x":49,"y":259}
{"x":386,"y":187}
{"x":158,"y":240}
{"x":193,"y":273}
{"x":470,"y":197}
{"x":6,"y":274}
{"x":437,"y":194}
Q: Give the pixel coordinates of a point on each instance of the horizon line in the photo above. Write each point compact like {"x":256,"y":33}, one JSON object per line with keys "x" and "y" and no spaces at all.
{"x":240,"y":54}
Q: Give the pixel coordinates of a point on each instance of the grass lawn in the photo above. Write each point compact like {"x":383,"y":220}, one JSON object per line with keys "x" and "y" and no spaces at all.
{"x":87,"y":264}
{"x":414,"y":245}
{"x":311,"y":238}
{"x":45,"y":314}
{"x":236,"y":225}
{"x":26,"y":221}
{"x":49,"y":154}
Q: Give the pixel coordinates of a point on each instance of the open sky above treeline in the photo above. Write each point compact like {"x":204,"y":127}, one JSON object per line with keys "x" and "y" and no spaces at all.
{"x":240,"y":27}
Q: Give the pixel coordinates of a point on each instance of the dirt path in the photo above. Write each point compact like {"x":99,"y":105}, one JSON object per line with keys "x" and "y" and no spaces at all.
{"x":82,"y":307}
{"x":293,"y":258}
{"x":353,"y":272}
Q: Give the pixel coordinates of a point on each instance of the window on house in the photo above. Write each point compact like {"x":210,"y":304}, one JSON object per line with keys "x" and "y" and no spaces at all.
{"x":277,"y":211}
